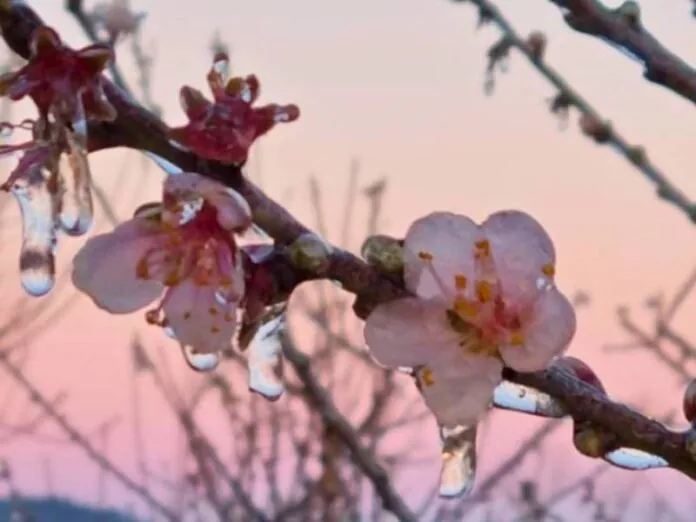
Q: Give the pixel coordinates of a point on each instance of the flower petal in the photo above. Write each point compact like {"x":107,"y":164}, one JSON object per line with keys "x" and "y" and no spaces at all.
{"x":459,"y":387}
{"x":522,"y":251}
{"x":197,"y":318}
{"x":546,"y":334}
{"x":449,"y":238}
{"x":194,"y":104}
{"x":105,"y":268}
{"x":408,"y":332}
{"x":233,"y":212}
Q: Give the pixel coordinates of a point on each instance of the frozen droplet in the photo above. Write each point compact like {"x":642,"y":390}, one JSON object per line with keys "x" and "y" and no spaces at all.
{"x":169,"y":332}
{"x":337,"y":283}
{"x":458,"y":472}
{"x":221,"y":66}
{"x":629,"y":458}
{"x":516,"y":397}
{"x":77,"y":211}
{"x":165,"y":165}
{"x":201,"y":362}
{"x":221,"y":298}
{"x":38,"y":207}
{"x":264,"y":359}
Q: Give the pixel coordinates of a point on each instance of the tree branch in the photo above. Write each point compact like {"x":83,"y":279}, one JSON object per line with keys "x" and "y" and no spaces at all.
{"x":626,"y":31}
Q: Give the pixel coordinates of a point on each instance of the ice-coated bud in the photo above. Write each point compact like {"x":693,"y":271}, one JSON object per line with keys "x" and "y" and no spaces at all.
{"x":590,"y":442}
{"x":630,"y":12}
{"x":310,"y":252}
{"x":582,"y":371}
{"x":384,"y":253}
{"x":536,"y":44}
{"x":689,"y":404}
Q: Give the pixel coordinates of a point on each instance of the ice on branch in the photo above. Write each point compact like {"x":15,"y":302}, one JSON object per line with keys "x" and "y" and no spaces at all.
{"x":51,"y":196}
{"x":186,"y":246}
{"x":225,"y":129}
{"x":485,"y":298}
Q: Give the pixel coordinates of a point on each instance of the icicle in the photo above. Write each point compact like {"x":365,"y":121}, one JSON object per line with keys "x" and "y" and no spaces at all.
{"x":38,"y":205}
{"x":458,"y":472}
{"x":201,"y":362}
{"x":77,"y":210}
{"x":265,"y":356}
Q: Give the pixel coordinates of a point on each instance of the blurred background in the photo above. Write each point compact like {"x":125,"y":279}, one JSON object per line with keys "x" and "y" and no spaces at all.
{"x":100,"y":416}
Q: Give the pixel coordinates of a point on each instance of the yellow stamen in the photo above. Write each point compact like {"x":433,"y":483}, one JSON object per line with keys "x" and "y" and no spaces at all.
{"x":229,"y":317}
{"x":460,"y":281}
{"x":425,"y":256}
{"x":465,"y":308}
{"x":516,"y":339}
{"x":548,"y":270}
{"x":141,"y":269}
{"x":212,"y":310}
{"x":484,"y":291}
{"x":214,"y":329}
{"x":427,"y":377}
{"x":483,"y":248}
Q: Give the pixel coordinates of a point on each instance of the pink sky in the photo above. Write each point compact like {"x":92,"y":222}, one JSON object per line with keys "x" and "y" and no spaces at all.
{"x":398,"y":83}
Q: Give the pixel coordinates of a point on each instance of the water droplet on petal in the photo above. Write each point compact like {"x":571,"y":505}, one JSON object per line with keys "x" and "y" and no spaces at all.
{"x":201,"y":362}
{"x":76,"y":213}
{"x":629,"y":458}
{"x":458,"y":472}
{"x":265,"y":358}
{"x":165,"y":165}
{"x":221,"y":299}
{"x":516,"y":397}
{"x":38,"y":207}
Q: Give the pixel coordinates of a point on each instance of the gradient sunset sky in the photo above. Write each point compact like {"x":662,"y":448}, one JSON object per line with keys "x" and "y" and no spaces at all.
{"x":399,"y":84}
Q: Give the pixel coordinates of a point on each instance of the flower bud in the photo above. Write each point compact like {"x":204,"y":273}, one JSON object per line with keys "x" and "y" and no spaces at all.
{"x":536,"y":44}
{"x":384,"y":253}
{"x":600,"y":131}
{"x":582,"y":371}
{"x":630,"y":12}
{"x":689,"y":403}
{"x":309,"y":252}
{"x":590,"y":441}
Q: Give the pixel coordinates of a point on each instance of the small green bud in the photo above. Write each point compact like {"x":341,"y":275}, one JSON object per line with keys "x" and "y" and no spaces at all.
{"x":384,"y":253}
{"x":310,"y":252}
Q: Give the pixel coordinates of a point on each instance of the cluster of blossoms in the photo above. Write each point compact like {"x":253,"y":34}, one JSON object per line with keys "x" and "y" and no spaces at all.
{"x":484,"y":296}
{"x":184,"y":247}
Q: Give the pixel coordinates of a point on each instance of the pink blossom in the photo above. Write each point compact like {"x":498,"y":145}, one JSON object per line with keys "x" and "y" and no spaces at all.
{"x":485,"y":298}
{"x":185,"y":246}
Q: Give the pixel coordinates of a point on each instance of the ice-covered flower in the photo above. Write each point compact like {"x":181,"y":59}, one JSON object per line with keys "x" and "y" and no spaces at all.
{"x":224,"y":129}
{"x":485,"y":298}
{"x":185,"y":246}
{"x":62,"y":81}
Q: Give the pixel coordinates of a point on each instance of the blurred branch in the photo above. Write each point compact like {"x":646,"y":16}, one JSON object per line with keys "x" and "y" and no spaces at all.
{"x":594,"y":126}
{"x":319,"y":399}
{"x":623,"y":27}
